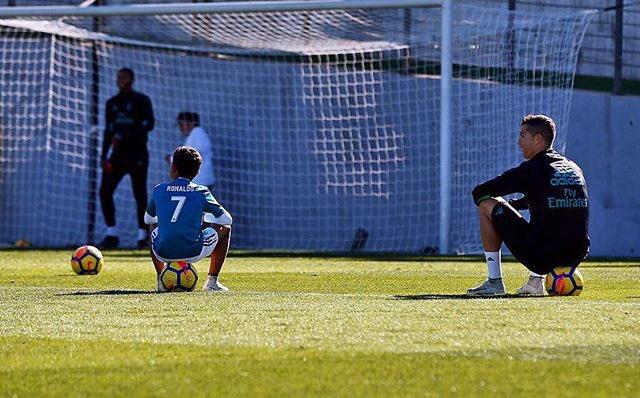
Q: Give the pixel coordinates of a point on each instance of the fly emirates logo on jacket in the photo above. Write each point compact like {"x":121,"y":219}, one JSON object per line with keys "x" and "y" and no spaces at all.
{"x":571,"y":183}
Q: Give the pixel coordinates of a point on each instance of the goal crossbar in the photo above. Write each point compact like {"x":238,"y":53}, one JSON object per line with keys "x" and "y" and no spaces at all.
{"x":211,"y":8}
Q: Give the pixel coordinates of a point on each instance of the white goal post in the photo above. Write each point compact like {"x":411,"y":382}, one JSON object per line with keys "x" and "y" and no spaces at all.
{"x":360,"y":71}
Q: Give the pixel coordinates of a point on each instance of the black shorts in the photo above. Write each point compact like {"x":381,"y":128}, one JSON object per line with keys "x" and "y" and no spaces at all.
{"x":525,"y":245}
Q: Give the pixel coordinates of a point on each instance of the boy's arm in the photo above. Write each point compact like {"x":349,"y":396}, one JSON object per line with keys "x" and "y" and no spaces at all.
{"x":151,"y":214}
{"x":215,"y":213}
{"x":151,"y":218}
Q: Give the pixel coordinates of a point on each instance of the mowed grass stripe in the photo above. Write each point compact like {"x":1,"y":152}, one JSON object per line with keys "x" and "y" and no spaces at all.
{"x":133,"y":270}
{"x":60,"y":367}
{"x":334,"y":322}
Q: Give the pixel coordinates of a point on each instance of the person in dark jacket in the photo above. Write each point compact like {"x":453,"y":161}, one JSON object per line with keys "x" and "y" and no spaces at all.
{"x":555,"y":193}
{"x":128,"y":121}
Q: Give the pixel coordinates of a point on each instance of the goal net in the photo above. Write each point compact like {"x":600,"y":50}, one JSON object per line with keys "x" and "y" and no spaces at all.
{"x":325,"y":124}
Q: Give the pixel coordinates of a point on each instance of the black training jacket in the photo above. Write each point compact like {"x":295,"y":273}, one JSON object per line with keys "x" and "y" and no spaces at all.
{"x":128,"y":120}
{"x":555,"y":192}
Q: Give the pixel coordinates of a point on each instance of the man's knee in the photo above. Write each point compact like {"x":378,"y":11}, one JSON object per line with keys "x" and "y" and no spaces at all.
{"x":105,"y":191}
{"x":486,"y":206}
{"x":141,"y":204}
{"x":140,"y":193}
{"x":108,"y":183}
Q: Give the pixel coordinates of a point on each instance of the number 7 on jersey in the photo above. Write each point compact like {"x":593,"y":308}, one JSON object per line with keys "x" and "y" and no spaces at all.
{"x":176,"y":212}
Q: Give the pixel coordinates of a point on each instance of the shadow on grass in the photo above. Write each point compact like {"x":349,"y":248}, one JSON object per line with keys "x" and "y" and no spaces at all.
{"x":610,"y":266}
{"x":107,"y":293}
{"x":127,"y":253}
{"x":122,"y":254}
{"x":455,"y":297}
{"x":360,"y":256}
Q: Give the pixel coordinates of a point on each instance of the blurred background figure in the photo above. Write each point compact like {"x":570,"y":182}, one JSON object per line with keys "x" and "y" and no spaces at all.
{"x":196,"y":137}
{"x":128,"y":121}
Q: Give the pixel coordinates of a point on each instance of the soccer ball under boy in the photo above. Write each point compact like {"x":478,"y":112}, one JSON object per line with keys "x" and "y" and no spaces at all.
{"x":179,"y":276}
{"x":564,"y":281}
{"x":86,"y":260}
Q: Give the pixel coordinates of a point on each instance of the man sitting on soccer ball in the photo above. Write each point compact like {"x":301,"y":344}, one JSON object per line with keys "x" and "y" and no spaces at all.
{"x":556,"y":195}
{"x":179,"y":208}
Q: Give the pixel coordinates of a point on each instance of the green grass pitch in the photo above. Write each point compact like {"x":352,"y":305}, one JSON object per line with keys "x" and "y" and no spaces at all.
{"x":312,"y":326}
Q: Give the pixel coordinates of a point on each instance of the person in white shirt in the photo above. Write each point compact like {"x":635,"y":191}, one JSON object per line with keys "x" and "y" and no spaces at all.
{"x":189,"y":125}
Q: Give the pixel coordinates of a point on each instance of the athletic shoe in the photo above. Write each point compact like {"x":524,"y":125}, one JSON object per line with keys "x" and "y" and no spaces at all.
{"x":490,"y":287}
{"x":109,"y":242}
{"x":533,"y":287}
{"x":213,"y":285}
{"x":160,"y":288}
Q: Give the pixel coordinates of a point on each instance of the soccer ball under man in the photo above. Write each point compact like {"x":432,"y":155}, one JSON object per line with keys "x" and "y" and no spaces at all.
{"x":86,"y":260}
{"x":564,"y":281}
{"x":179,"y":276}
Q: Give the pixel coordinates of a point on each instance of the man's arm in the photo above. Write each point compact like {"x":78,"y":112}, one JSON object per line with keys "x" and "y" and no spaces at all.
{"x":511,"y":181}
{"x":108,"y":131}
{"x":147,"y":120}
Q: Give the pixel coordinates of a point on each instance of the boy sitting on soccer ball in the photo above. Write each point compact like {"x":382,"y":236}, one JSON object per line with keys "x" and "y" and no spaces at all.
{"x":177,"y":212}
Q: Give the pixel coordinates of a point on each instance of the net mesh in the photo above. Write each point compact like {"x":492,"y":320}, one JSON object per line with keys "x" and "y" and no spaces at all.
{"x":325,"y":125}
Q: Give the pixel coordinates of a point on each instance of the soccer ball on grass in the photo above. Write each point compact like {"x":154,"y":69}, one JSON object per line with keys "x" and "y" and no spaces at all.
{"x":86,"y":260}
{"x":179,"y":276}
{"x":564,"y":281}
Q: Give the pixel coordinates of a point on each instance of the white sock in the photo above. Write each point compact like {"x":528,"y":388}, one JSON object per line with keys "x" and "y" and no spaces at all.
{"x":142,"y":234}
{"x":112,"y":231}
{"x":494,"y":264}
{"x":534,"y":275}
{"x":212,"y":279}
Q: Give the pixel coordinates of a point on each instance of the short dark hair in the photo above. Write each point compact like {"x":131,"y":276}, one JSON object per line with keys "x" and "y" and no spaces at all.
{"x":540,"y":124}
{"x":187,"y":161}
{"x":129,"y":71}
{"x":189,"y":117}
